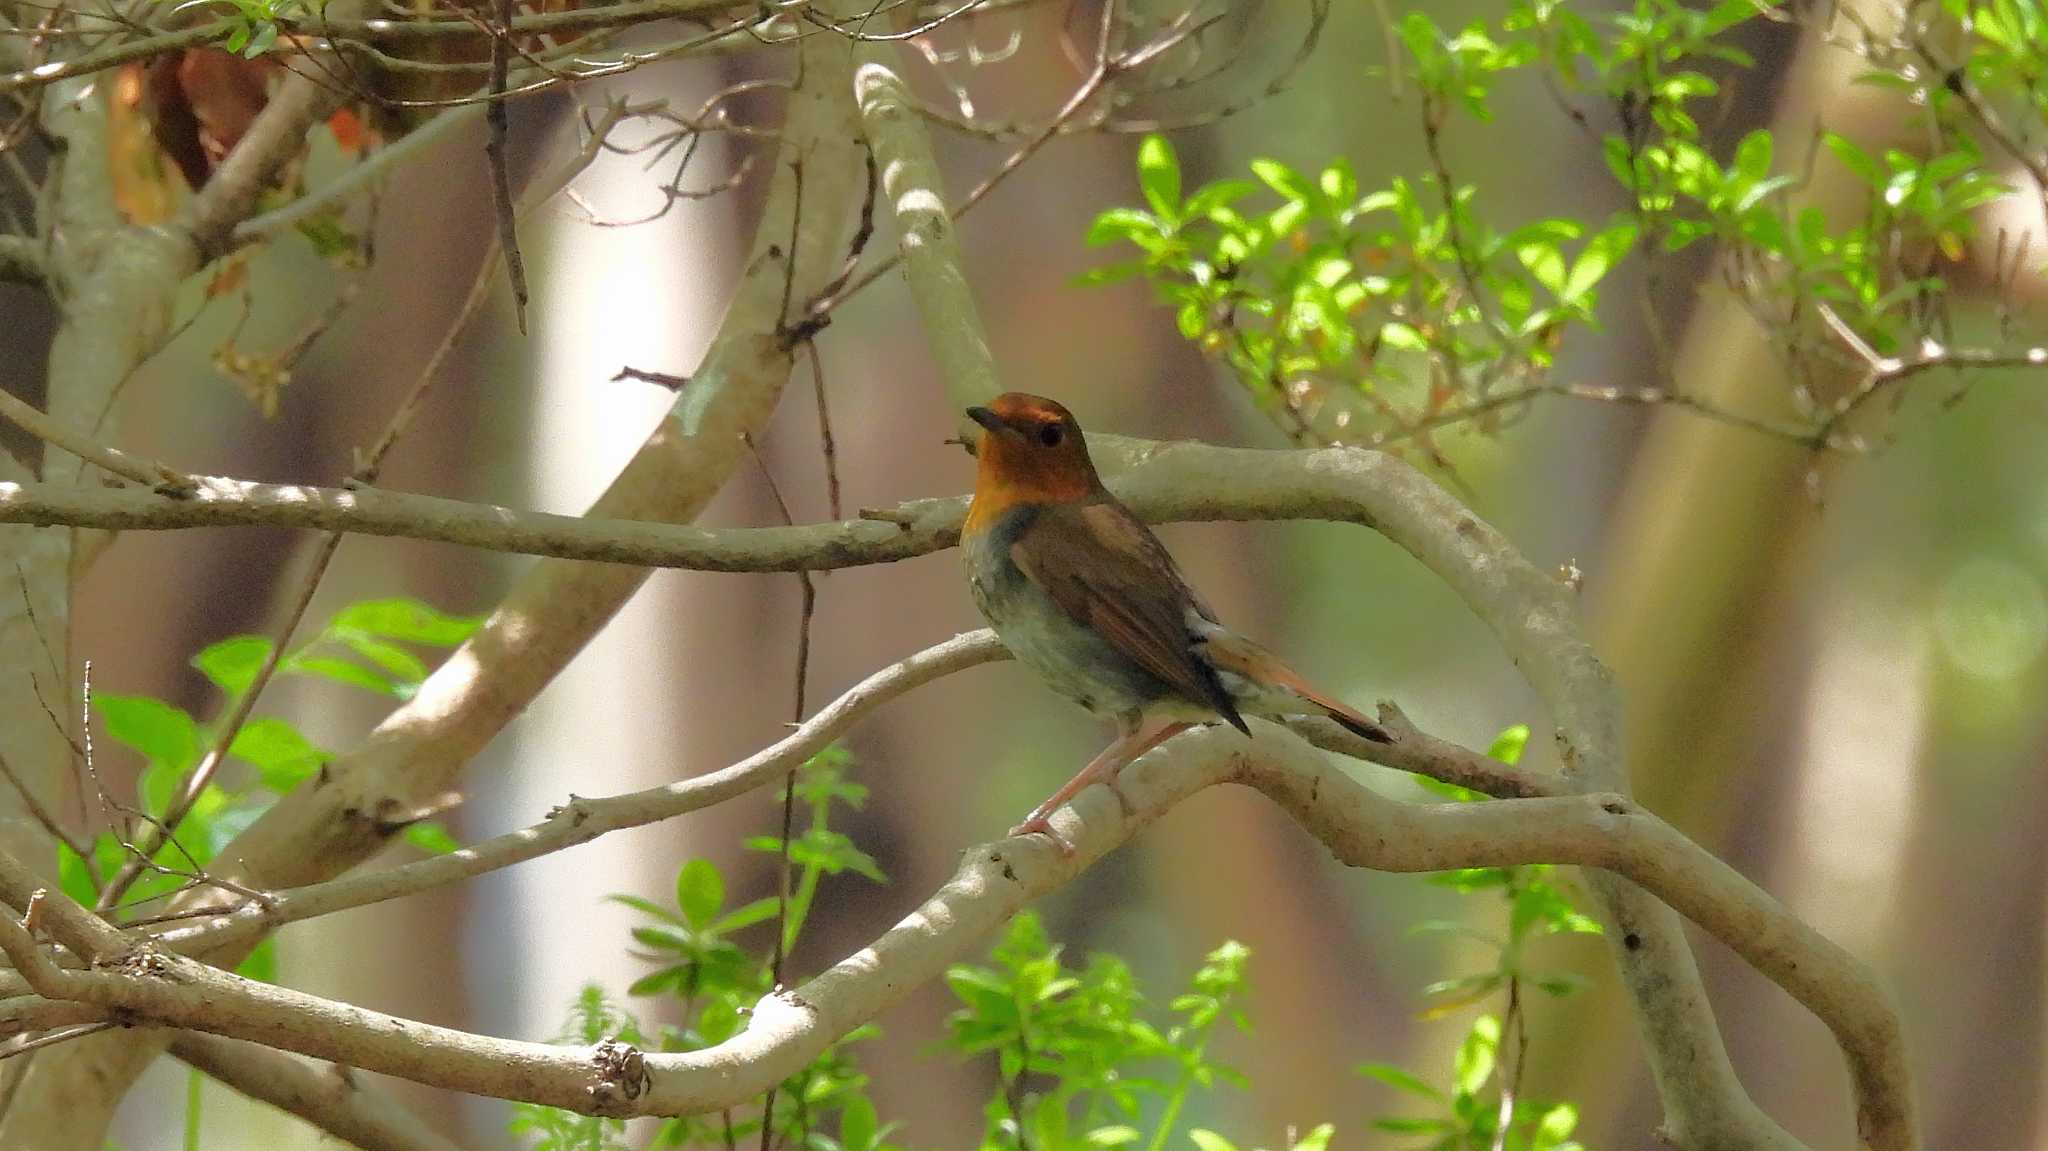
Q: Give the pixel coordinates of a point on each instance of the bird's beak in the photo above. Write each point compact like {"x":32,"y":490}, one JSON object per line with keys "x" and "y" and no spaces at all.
{"x":987,"y":419}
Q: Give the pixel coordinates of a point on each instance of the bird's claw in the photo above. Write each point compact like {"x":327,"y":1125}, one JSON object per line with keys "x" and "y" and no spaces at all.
{"x":1042,"y":825}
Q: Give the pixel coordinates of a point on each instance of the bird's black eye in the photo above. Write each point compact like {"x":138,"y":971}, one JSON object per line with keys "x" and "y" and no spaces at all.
{"x":1051,"y":434}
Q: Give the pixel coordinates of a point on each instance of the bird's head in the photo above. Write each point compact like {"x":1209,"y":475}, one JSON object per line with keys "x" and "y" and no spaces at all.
{"x":1031,"y":451}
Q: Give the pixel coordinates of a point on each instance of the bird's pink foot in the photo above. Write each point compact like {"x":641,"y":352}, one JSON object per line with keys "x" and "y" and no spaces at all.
{"x":1042,"y":825}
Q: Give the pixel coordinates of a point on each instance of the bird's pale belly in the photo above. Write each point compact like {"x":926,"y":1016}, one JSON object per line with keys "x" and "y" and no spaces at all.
{"x":1072,"y":660}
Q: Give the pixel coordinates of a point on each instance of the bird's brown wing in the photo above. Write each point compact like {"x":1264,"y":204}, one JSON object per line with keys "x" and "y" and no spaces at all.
{"x":1107,"y":570}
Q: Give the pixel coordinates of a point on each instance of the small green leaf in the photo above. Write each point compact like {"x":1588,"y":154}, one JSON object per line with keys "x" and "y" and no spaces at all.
{"x":261,"y":962}
{"x":232,"y":663}
{"x":162,"y":733}
{"x":700,"y":892}
{"x":404,"y":666}
{"x":746,"y":915}
{"x":1753,"y":156}
{"x":1601,"y":253}
{"x":858,"y":1128}
{"x":260,"y":42}
{"x":75,"y":878}
{"x":1159,"y":176}
{"x":342,"y":671}
{"x":430,"y":837}
{"x":1398,"y":1079}
{"x":1475,"y":1059}
{"x":1401,"y":1126}
{"x":1123,"y":224}
{"x":282,"y":756}
{"x":1395,"y":334}
{"x":1318,"y":1138}
{"x":1508,"y":745}
{"x":1286,"y":181}
{"x":1853,"y":158}
{"x":1208,"y":1140}
{"x":408,"y":621}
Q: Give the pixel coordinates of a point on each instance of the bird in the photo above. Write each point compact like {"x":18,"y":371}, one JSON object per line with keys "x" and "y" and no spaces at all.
{"x":1083,"y":594}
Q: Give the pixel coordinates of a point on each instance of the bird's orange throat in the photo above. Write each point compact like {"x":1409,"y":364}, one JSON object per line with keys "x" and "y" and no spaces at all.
{"x":1008,"y":474}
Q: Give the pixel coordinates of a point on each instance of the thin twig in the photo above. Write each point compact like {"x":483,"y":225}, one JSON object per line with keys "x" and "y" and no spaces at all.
{"x":55,"y":1037}
{"x":42,"y":815}
{"x":780,"y":952}
{"x":149,"y":473}
{"x":827,"y":446}
{"x":499,"y":122}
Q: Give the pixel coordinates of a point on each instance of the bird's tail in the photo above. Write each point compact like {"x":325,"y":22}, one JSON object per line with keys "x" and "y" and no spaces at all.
{"x":1275,"y":687}
{"x":1350,"y":720}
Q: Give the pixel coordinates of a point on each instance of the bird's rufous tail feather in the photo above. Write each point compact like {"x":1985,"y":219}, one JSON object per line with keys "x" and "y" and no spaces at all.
{"x":1351,"y":720}
{"x":1236,"y":654}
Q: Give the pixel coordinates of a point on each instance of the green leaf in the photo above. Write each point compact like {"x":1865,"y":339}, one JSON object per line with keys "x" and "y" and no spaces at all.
{"x":1508,"y":745}
{"x":1395,"y":334}
{"x":1753,"y":156}
{"x":1208,"y":1140}
{"x":261,"y":962}
{"x":232,"y":663}
{"x":1401,"y":1126}
{"x":1853,"y":158}
{"x":1318,"y":1138}
{"x":429,"y":836}
{"x":1475,"y":1059}
{"x":1398,"y":1079}
{"x":858,"y":1128}
{"x":75,"y":878}
{"x":162,"y":733}
{"x":1289,"y":183}
{"x":1159,"y":176}
{"x":404,"y":666}
{"x":342,"y":671}
{"x":700,"y":892}
{"x":1123,"y":224}
{"x":746,"y":915}
{"x":1545,"y":263}
{"x":1557,"y":1122}
{"x":1115,"y":1135}
{"x":1602,"y":252}
{"x":260,"y":42}
{"x":408,"y":621}
{"x":283,"y":757}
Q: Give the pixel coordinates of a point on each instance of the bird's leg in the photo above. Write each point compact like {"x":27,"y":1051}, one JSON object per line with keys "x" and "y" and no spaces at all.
{"x":1130,"y":743}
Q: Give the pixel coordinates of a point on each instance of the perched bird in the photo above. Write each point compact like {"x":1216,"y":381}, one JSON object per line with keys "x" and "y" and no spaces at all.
{"x":1085,"y":595}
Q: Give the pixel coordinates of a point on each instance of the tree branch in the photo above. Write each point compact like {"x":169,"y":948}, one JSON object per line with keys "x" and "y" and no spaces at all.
{"x":331,"y":1099}
{"x":584,"y":819}
{"x":114,"y":461}
{"x":1360,"y":827}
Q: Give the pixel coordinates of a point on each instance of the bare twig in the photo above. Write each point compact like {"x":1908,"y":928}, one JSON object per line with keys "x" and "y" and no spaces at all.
{"x":499,"y":122}
{"x":42,"y":814}
{"x":146,"y":472}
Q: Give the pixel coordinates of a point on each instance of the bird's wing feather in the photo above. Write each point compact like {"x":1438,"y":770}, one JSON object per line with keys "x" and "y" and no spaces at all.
{"x":1106,"y":570}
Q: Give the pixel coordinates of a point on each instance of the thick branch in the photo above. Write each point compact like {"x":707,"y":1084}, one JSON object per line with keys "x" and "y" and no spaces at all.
{"x":1360,"y":826}
{"x":924,"y":229}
